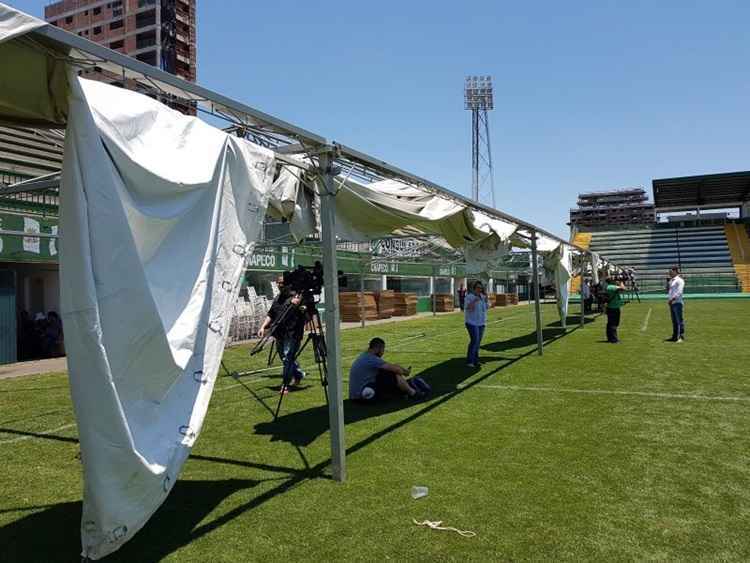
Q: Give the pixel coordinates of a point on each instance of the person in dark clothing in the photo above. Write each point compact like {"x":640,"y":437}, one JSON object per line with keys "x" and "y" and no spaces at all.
{"x":287,"y":333}
{"x":461,"y":296}
{"x":615,"y":289}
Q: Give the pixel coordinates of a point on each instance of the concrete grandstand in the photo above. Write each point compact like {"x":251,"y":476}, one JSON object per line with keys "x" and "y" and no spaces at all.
{"x":712,"y":249}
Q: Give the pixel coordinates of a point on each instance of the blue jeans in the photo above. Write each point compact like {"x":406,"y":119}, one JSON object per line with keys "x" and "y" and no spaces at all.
{"x":475,"y":339}
{"x":678,"y":321}
{"x":287,"y":348}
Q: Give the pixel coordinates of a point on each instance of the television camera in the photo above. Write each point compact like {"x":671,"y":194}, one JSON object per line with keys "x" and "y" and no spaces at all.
{"x":307,"y":282}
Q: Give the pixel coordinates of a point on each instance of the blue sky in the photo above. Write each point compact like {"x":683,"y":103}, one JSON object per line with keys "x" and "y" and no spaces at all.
{"x":588,"y":95}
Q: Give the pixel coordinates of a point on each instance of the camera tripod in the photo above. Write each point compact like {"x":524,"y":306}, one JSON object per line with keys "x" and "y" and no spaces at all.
{"x":315,"y":337}
{"x":635,"y":290}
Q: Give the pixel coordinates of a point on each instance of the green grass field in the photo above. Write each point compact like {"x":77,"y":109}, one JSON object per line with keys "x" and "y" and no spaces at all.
{"x":593,"y":451}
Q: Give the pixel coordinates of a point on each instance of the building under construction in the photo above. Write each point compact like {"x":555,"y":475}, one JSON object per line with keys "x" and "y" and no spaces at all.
{"x":614,"y":207}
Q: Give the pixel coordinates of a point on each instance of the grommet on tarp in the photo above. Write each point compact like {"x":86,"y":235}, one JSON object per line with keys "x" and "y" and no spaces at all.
{"x":199,"y":377}
{"x":185,"y":431}
{"x":119,"y":533}
{"x":166,"y":483}
{"x":215,"y":327}
{"x":253,"y":208}
{"x":239,"y":249}
{"x":227,"y":285}
{"x":261,"y":166}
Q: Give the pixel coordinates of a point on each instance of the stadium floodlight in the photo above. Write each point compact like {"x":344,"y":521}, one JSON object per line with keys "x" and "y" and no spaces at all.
{"x":478,"y":93}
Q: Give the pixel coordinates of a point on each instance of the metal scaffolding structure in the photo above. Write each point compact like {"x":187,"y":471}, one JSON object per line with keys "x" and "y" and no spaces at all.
{"x":324,"y":159}
{"x":478,"y":98}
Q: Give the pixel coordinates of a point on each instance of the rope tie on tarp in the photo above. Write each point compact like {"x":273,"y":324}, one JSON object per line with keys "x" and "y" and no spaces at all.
{"x":185,"y":431}
{"x":199,"y":377}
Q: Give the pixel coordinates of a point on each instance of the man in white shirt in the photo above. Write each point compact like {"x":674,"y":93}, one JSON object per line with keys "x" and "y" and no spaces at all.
{"x":676,"y":289}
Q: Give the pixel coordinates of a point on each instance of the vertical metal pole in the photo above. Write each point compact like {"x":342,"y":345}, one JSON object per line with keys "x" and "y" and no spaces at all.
{"x":535,"y":286}
{"x":432,"y":295}
{"x":583,"y":305}
{"x":333,"y":328}
{"x":362,"y":297}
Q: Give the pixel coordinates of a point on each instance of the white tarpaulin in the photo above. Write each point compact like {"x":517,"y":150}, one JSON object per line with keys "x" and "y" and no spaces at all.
{"x":558,"y":264}
{"x":594,"y":257}
{"x":157,"y":213}
{"x":299,"y":207}
{"x":388,"y":207}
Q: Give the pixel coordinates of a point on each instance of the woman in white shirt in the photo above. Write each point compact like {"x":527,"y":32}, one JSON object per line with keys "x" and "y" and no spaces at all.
{"x":475,"y":317}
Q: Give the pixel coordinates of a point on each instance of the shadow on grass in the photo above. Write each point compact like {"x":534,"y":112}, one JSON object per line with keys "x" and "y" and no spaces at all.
{"x":550,"y":333}
{"x":447,"y":378}
{"x":52,"y":534}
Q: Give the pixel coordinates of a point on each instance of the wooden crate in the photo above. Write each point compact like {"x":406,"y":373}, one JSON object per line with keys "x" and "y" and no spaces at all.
{"x":350,"y":307}
{"x":443,"y":302}
{"x":505,"y":299}
{"x":404,"y":304}
{"x":384,"y":302}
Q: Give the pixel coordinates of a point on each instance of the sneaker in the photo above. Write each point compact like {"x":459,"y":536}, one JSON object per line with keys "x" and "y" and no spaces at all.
{"x":284,"y":390}
{"x":471,"y":365}
{"x":297,"y":379}
{"x":673,"y":339}
{"x":420,"y":385}
{"x":680,"y":340}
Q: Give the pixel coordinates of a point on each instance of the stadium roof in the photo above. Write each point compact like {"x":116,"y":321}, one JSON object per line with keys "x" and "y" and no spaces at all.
{"x":708,"y":191}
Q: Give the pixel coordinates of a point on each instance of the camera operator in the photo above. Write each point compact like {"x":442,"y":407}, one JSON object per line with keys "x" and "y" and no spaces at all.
{"x":615,"y":289}
{"x":289,"y":319}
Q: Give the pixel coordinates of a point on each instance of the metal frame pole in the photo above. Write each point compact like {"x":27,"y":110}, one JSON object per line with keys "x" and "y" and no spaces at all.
{"x":583,"y":305}
{"x":535,"y":286}
{"x":432,"y":295}
{"x":333,"y":328}
{"x":362,"y":297}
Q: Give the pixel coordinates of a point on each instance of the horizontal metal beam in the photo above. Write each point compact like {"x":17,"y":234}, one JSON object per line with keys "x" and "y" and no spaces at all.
{"x":82,"y":45}
{"x":6,"y":233}
{"x":396,"y":171}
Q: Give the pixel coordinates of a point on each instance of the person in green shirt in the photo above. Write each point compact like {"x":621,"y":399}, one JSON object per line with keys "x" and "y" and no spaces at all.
{"x":615,"y":302}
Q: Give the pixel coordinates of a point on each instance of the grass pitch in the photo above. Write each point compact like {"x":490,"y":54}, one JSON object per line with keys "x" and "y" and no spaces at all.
{"x":593,"y":451}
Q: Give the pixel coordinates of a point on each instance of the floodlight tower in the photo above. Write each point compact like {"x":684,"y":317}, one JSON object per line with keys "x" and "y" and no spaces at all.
{"x":478,"y":99}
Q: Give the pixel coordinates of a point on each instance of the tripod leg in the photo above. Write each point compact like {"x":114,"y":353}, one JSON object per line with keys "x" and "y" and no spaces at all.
{"x":281,"y":398}
{"x":271,"y":354}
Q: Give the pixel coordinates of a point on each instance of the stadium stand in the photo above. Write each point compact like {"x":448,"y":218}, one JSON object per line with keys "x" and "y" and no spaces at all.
{"x":702,"y":252}
{"x":739,"y":245}
{"x":584,"y":241}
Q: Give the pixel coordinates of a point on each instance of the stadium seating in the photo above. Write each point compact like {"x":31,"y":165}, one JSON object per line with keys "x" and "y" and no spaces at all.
{"x":739,"y":245}
{"x":701,"y":251}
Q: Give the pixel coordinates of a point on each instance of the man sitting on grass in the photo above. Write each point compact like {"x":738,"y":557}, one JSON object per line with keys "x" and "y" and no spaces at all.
{"x":371,"y":378}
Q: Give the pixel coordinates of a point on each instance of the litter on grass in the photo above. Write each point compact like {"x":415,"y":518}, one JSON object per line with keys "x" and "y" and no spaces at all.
{"x":439,"y":526}
{"x":418,"y":491}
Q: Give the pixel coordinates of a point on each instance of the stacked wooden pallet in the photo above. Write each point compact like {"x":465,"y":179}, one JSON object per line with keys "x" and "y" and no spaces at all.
{"x":350,"y":307}
{"x":505,"y":299}
{"x":384,"y":302}
{"x":443,"y":302}
{"x":404,"y":304}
